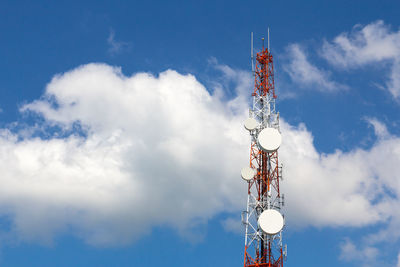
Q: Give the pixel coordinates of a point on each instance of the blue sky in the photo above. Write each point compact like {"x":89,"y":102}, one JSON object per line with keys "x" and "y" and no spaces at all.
{"x":121,"y":136}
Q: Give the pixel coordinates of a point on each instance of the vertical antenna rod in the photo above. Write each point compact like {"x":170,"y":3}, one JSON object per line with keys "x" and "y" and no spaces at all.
{"x":252,"y":55}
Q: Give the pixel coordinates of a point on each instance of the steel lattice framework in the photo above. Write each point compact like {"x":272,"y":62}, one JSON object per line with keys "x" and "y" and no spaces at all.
{"x":261,"y":249}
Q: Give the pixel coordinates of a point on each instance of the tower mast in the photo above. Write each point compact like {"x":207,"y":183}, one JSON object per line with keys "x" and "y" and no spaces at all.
{"x":263,"y":219}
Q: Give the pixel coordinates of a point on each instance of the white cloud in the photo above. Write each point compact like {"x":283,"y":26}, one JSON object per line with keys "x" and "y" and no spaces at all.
{"x":380,"y":129}
{"x":163,"y":151}
{"x":350,"y":252}
{"x":233,"y":224}
{"x":398,"y":260}
{"x":393,"y":85}
{"x":338,"y":189}
{"x":373,"y":43}
{"x":303,"y":73}
{"x":159,"y":151}
{"x":242,"y":80}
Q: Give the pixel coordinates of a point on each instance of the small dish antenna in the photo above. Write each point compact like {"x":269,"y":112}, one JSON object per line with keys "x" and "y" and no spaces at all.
{"x":250,"y":124}
{"x":248,"y":173}
{"x":269,"y":139}
{"x":271,"y":221}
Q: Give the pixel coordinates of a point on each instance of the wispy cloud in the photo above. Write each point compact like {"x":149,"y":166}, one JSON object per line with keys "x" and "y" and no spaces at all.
{"x":305,"y":74}
{"x":373,"y":43}
{"x":232,"y":224}
{"x":350,"y":252}
{"x":380,"y":129}
{"x":115,"y":47}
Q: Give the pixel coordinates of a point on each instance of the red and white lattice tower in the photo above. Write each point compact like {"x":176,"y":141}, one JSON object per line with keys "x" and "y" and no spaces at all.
{"x":263,"y":217}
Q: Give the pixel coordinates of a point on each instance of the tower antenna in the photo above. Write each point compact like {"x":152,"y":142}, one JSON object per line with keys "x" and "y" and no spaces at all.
{"x":263,"y":219}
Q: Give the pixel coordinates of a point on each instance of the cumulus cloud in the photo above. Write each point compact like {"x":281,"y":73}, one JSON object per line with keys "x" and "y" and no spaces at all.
{"x":341,"y":188}
{"x":303,"y":73}
{"x":356,"y":188}
{"x":373,"y":43}
{"x":164,"y":151}
{"x":157,"y":151}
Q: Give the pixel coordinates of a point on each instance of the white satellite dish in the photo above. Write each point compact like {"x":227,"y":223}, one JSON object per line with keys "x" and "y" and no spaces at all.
{"x":250,"y":124}
{"x":269,"y":139}
{"x":248,"y":173}
{"x":271,"y":221}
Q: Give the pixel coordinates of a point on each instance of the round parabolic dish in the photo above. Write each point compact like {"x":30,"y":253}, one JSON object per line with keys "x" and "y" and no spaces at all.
{"x":269,"y":139}
{"x":248,"y":173}
{"x":271,"y":221}
{"x":250,"y":124}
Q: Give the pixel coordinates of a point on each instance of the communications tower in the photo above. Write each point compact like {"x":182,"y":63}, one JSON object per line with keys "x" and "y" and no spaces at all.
{"x":263,"y":217}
